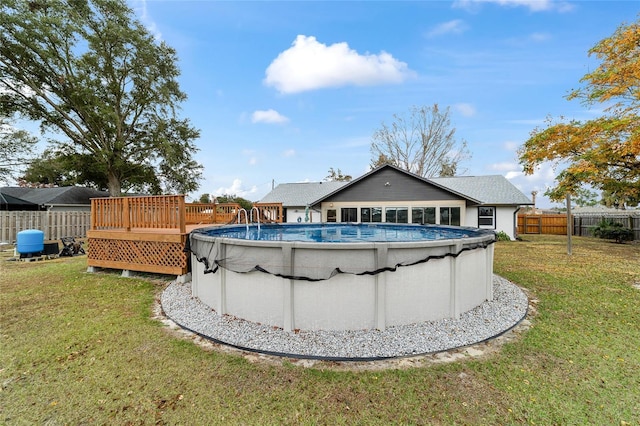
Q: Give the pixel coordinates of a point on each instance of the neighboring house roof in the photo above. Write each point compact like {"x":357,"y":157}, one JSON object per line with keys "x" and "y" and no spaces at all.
{"x":67,"y":195}
{"x":492,"y":189}
{"x":300,"y":194}
{"x":602,"y":210}
{"x":7,"y":199}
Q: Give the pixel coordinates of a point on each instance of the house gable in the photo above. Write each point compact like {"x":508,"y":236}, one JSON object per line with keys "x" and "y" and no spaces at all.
{"x":388,"y":184}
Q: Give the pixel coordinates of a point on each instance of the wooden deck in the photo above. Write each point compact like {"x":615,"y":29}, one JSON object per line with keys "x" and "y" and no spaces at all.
{"x":148,"y":234}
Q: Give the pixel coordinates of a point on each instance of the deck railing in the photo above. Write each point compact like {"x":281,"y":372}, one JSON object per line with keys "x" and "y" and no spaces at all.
{"x":150,"y":212}
{"x":205,"y":213}
{"x":169,"y":211}
{"x":149,"y":233}
{"x":227,"y":213}
{"x":270,"y":212}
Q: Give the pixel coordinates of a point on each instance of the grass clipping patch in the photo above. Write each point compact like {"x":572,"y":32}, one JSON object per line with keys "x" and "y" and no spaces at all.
{"x":78,"y":348}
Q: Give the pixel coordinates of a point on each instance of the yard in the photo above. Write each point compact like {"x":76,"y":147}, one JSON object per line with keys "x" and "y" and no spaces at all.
{"x":78,"y":348}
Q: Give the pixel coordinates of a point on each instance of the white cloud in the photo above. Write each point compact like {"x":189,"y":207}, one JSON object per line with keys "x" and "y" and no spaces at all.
{"x":542,"y":179}
{"x":511,"y":146}
{"x":253,"y":159}
{"x":467,"y":110}
{"x":236,"y":189}
{"x":289,"y":153}
{"x":268,"y":116}
{"x":513,"y":174}
{"x":505,"y":166}
{"x":456,"y":26}
{"x":532,"y":5}
{"x":310,"y":65}
{"x":140,"y":6}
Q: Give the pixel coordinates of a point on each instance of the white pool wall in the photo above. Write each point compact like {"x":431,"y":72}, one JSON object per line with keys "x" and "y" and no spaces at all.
{"x":433,"y":290}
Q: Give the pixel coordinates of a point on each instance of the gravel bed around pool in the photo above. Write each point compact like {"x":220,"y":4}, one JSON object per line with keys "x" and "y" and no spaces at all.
{"x":488,"y":320}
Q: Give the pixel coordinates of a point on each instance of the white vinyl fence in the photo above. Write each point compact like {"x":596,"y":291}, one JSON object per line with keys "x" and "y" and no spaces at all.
{"x":55,"y":225}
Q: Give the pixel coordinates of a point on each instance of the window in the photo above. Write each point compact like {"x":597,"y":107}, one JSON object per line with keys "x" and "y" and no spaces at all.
{"x":371,"y":214}
{"x":376,"y":214}
{"x":402,"y":215}
{"x":486,"y":217}
{"x":365,"y":214}
{"x":396,"y":214}
{"x":331,"y":215}
{"x":423,"y":215}
{"x":450,"y":216}
{"x":349,"y":214}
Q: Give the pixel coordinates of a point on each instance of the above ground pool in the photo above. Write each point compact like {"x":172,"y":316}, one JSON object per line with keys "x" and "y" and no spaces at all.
{"x":341,"y":276}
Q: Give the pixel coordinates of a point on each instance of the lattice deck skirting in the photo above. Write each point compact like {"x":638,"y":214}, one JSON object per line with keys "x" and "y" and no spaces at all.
{"x":144,"y":252}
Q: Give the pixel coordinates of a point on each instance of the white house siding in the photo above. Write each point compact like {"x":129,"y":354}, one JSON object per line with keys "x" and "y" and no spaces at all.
{"x":295,"y":213}
{"x":504,"y":219}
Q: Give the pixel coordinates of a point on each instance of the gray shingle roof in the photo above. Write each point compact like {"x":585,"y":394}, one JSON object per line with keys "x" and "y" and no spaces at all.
{"x":492,"y":189}
{"x":52,"y":196}
{"x":300,"y":194}
{"x":6,"y":199}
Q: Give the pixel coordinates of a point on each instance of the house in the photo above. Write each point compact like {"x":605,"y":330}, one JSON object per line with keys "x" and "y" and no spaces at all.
{"x":66,"y":198}
{"x":390,"y":194}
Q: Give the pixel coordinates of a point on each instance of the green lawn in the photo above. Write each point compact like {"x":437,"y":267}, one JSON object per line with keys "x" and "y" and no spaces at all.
{"x":78,"y":348}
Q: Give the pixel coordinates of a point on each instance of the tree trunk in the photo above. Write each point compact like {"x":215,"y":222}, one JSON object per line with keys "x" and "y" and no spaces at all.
{"x":115,"y":189}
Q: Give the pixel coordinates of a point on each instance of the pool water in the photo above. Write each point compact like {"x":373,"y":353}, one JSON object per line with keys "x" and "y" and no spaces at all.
{"x":341,"y":232}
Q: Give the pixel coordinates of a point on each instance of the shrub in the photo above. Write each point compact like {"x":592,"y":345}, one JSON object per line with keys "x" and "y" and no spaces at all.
{"x":610,"y":230}
{"x":502,"y":236}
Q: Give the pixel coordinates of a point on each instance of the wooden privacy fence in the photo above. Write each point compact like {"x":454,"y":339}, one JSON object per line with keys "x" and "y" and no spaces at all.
{"x":583,"y":223}
{"x":54,"y":224}
{"x":542,"y":224}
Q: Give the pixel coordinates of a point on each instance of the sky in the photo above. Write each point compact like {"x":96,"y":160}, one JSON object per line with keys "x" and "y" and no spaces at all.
{"x":283,"y":91}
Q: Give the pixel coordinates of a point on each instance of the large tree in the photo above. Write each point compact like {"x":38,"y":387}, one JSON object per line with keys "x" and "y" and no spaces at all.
{"x":87,"y":70}
{"x":16,"y":148}
{"x":422,"y":142}
{"x":603,"y":152}
{"x":61,"y":168}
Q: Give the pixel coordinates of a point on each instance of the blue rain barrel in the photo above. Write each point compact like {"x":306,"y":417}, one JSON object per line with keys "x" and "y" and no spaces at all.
{"x":30,"y":241}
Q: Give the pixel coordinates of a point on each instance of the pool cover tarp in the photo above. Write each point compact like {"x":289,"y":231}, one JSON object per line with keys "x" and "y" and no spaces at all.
{"x":319,"y":261}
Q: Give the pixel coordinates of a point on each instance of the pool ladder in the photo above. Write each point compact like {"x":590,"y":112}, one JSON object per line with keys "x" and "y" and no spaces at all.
{"x":257,"y":216}
{"x":248,"y":219}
